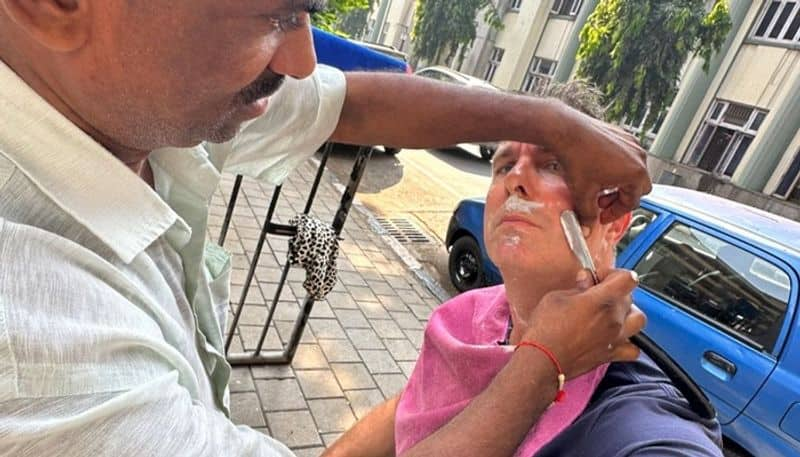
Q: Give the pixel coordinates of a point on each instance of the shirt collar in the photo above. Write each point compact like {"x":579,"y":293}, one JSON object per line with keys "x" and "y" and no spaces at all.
{"x":77,"y":173}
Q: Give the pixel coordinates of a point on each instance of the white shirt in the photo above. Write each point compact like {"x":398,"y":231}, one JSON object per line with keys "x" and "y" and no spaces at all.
{"x":111,"y":301}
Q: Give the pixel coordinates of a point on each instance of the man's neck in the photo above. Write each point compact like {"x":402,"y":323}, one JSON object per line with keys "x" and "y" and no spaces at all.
{"x":134,"y":159}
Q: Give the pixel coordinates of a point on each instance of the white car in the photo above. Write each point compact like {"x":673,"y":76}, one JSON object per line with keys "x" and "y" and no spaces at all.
{"x":439,"y":73}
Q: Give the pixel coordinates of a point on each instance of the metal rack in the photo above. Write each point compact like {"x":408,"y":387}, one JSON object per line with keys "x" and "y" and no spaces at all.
{"x":285,"y":356}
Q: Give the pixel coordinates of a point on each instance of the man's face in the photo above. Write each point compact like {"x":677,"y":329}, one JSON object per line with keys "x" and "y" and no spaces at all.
{"x":156,"y":73}
{"x":522,"y":226}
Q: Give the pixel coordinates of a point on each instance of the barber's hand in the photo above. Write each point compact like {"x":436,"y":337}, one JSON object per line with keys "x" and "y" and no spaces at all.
{"x":588,"y":327}
{"x":596,"y":157}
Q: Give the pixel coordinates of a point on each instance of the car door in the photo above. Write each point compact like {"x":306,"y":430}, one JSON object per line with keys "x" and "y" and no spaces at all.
{"x":714,"y":303}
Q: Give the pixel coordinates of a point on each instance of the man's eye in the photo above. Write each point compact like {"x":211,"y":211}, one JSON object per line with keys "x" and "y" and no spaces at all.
{"x":290,"y":22}
{"x":553,"y":166}
{"x":503,"y":168}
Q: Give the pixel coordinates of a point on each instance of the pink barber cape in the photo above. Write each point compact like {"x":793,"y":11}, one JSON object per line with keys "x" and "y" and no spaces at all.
{"x":459,"y":358}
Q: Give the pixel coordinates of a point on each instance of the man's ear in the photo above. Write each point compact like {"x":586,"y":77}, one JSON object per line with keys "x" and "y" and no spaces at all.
{"x":59,"y":25}
{"x":619,"y":227}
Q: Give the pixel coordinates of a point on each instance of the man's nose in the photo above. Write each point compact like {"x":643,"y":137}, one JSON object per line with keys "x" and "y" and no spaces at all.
{"x":522,"y":178}
{"x":295,"y":57}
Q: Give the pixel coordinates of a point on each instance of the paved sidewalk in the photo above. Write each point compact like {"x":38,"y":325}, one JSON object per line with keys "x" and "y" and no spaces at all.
{"x":361,"y":342}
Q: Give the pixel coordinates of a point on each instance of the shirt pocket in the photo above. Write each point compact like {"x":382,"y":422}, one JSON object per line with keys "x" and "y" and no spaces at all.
{"x":218,"y":269}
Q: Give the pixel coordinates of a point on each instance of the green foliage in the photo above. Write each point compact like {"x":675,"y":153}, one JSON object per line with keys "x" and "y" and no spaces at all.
{"x":333,"y":18}
{"x":633,"y":50}
{"x":444,"y":25}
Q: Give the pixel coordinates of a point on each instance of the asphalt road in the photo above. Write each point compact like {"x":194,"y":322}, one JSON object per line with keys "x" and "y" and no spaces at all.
{"x":421,"y":187}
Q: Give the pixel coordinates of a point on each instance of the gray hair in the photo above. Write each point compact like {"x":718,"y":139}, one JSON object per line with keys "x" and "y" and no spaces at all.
{"x":579,"y":94}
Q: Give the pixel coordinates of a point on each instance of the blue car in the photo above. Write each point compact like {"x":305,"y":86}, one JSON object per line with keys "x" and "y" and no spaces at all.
{"x":719,"y":284}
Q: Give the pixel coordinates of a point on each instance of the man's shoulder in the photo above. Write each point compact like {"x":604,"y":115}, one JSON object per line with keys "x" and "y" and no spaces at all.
{"x":637,"y":411}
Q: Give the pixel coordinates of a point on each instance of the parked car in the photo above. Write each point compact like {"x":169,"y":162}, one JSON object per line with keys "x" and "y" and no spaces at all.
{"x":350,"y":55}
{"x":439,"y":73}
{"x":719,"y":283}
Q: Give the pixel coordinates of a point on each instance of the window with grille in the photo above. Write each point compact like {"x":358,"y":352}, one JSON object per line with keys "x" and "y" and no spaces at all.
{"x":539,"y":74}
{"x":788,"y":187}
{"x":724,"y":137}
{"x":516,"y":5}
{"x":566,"y":7}
{"x":780,"y":22}
{"x":494,"y":62}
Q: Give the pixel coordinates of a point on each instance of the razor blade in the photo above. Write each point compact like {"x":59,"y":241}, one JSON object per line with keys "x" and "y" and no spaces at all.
{"x":576,"y":242}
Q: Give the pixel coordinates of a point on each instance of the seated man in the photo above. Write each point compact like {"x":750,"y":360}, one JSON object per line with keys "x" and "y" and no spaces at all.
{"x":613,"y":410}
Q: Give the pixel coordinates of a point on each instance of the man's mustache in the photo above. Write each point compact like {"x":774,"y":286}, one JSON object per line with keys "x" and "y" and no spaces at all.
{"x":266,"y":84}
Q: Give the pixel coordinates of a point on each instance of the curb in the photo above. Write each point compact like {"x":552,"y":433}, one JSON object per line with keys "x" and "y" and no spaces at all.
{"x":408,"y":259}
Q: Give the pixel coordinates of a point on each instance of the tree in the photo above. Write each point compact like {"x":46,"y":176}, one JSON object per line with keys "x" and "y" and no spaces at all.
{"x":633,"y":50}
{"x":444,"y":25}
{"x":331,"y":18}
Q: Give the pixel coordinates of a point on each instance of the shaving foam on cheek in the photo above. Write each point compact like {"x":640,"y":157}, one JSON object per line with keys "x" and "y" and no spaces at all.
{"x":518,"y":205}
{"x":512,"y":240}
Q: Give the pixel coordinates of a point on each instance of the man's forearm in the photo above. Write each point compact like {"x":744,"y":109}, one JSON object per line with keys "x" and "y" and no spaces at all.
{"x":415,"y":112}
{"x":497,"y":420}
{"x":372,"y":436}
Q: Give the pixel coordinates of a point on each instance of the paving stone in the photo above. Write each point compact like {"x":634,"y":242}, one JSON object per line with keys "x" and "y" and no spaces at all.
{"x":285,"y":329}
{"x":387,"y":328}
{"x":407,"y":367}
{"x":332,"y":415}
{"x":393,"y":303}
{"x":422,"y":312}
{"x":322,"y":309}
{"x":339,"y":351}
{"x":241,"y":380}
{"x":318,"y":384}
{"x":309,"y":452}
{"x":402,"y":350}
{"x":397,"y":282}
{"x":328,"y":329}
{"x":370,"y":274}
{"x":309,"y":356}
{"x":351,"y":318}
{"x":363,"y":401}
{"x":272,"y":371}
{"x":379,"y":361}
{"x":253,"y":314}
{"x":341,"y":300}
{"x":352,"y":376}
{"x":294,"y":428}
{"x":251,"y":334}
{"x":246,"y":409}
{"x":390,"y":384}
{"x":410,"y":297}
{"x":416,"y":337}
{"x":280,"y":395}
{"x":364,"y":338}
{"x":381,"y":288}
{"x":406,"y":321}
{"x":268,"y":289}
{"x":373,"y":310}
{"x":352,"y":279}
{"x":362,"y":293}
{"x":330,"y":438}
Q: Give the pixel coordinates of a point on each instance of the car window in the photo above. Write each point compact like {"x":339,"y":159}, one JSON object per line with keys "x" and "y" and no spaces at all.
{"x":640,"y":219}
{"x":741,"y":293}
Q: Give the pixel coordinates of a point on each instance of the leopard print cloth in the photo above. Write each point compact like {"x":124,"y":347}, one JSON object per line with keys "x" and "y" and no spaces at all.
{"x":314,"y":248}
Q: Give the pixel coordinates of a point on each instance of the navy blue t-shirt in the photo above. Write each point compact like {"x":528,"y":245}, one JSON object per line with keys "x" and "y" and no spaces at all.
{"x":636,"y":411}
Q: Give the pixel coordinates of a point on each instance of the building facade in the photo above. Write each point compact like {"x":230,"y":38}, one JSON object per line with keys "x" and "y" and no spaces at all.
{"x":733,"y":130}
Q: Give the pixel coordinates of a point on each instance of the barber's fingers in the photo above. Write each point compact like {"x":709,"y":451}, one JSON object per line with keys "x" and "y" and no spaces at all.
{"x":634,"y":323}
{"x":617,"y":285}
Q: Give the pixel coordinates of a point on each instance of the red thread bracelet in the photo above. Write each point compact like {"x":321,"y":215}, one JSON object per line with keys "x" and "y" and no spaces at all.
{"x":562,"y":378}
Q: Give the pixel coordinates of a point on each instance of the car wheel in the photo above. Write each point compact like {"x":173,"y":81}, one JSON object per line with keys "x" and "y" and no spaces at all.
{"x":486,"y":153}
{"x":391,"y":151}
{"x":464,"y":264}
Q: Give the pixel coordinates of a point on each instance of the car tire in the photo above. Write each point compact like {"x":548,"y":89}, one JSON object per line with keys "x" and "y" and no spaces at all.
{"x":391,"y":151}
{"x":486,"y":152}
{"x":465,"y":265}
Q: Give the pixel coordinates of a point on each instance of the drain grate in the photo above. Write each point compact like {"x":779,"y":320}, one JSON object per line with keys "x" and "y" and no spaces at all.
{"x":402,"y":230}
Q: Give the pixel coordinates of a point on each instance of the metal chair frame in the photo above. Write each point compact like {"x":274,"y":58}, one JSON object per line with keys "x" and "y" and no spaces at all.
{"x":285,"y":356}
